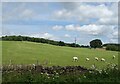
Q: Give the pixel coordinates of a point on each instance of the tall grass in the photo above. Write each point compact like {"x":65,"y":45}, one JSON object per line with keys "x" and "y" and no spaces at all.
{"x":60,"y":75}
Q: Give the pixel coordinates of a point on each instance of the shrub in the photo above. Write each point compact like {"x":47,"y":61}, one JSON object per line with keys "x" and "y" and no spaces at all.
{"x":112,"y":47}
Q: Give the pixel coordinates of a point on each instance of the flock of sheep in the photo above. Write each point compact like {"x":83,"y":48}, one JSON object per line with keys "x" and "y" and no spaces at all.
{"x":96,"y":58}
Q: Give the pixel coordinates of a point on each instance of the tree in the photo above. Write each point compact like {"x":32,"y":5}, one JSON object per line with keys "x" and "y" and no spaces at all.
{"x":97,"y":43}
{"x":112,"y":47}
{"x":61,"y":43}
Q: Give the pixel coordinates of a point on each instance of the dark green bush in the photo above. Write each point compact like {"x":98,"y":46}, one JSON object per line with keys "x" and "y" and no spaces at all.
{"x":112,"y":47}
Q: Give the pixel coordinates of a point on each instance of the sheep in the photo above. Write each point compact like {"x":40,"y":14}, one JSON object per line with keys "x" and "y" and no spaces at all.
{"x":75,"y":58}
{"x":87,"y":59}
{"x":102,"y":59}
{"x":96,"y":58}
{"x":113,"y":56}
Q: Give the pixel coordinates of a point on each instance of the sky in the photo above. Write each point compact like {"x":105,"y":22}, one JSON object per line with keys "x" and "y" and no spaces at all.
{"x":62,"y":21}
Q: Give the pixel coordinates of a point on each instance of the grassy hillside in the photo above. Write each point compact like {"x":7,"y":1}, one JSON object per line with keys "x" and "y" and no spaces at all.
{"x":29,"y":52}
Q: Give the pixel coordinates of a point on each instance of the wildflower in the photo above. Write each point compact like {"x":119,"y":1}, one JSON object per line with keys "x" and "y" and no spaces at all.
{"x":105,"y":71}
{"x":41,"y":73}
{"x":56,"y":73}
{"x":116,"y":68}
{"x":10,"y":71}
{"x":48,"y":77}
{"x":84,"y":76}
{"x":90,"y":71}
{"x":93,"y":66}
{"x":61,"y":72}
{"x":30,"y":70}
{"x":20,"y":66}
{"x":47,"y":74}
{"x":96,"y":69}
{"x":57,"y":76}
{"x":15,"y":69}
{"x":113,"y":64}
{"x":112,"y":67}
{"x":78,"y":78}
{"x":33,"y":64}
{"x":100,"y":71}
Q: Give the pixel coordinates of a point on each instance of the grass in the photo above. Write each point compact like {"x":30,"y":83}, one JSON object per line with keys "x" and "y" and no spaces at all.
{"x":29,"y":52}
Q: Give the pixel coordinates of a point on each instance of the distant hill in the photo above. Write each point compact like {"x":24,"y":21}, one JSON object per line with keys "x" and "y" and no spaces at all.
{"x":52,"y":42}
{"x":40,"y":40}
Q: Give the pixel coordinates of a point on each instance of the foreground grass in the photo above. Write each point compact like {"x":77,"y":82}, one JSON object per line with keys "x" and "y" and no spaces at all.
{"x":31,"y":52}
{"x":109,"y":75}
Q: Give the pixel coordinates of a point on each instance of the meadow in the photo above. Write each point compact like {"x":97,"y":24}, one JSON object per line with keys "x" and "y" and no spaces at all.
{"x":23,"y":52}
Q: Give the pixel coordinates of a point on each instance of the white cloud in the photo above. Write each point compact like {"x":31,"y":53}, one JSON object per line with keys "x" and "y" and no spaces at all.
{"x":94,"y":29}
{"x":39,"y":35}
{"x":19,"y":12}
{"x":44,"y":35}
{"x":85,"y":12}
{"x":27,"y":14}
{"x":67,"y":35}
{"x":108,"y":21}
{"x":91,"y":29}
{"x":62,"y":14}
{"x":100,"y":19}
{"x":113,"y":41}
{"x":57,"y":27}
{"x":82,"y":12}
{"x":70,"y":27}
{"x":59,"y":0}
{"x":91,"y":11}
{"x":115,"y":34}
{"x":5,"y":31}
{"x":113,"y":19}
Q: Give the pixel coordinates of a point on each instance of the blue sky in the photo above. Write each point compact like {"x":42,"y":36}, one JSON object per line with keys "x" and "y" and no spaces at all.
{"x":61,"y":20}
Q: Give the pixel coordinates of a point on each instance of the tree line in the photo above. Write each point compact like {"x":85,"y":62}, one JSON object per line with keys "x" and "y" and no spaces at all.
{"x":112,"y":46}
{"x":39,"y":40}
{"x":96,"y":43}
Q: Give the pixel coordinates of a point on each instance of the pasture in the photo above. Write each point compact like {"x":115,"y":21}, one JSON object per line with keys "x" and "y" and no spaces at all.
{"x":22,"y":52}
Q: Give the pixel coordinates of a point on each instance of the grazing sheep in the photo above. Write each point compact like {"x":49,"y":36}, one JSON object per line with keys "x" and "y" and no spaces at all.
{"x":102,"y":59}
{"x":87,"y":59}
{"x":96,"y":58}
{"x":75,"y":58}
{"x":113,"y":56}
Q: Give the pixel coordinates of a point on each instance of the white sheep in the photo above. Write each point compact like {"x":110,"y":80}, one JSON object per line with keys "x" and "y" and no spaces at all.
{"x":75,"y":58}
{"x":102,"y":59}
{"x":113,"y":56}
{"x":96,"y":58}
{"x":87,"y":59}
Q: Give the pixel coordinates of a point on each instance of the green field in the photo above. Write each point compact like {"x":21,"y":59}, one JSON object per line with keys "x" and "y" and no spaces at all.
{"x":21,"y":52}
